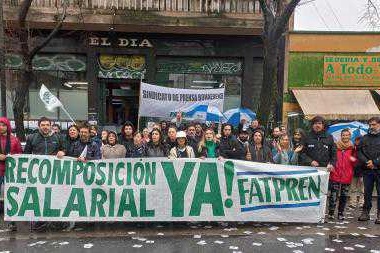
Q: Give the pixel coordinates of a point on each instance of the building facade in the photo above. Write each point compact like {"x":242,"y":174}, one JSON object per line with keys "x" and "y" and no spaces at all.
{"x":106,"y":48}
{"x":336,"y":75}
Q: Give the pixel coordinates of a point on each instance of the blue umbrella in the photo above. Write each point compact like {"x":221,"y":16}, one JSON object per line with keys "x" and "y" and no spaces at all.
{"x":357,"y":129}
{"x":234,"y":116}
{"x":203,"y":113}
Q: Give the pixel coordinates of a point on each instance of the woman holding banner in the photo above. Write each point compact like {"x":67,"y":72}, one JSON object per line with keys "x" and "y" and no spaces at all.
{"x":182,"y":150}
{"x":155,"y":147}
{"x":71,"y":141}
{"x":112,"y":149}
{"x":208,"y":147}
{"x":284,"y":154}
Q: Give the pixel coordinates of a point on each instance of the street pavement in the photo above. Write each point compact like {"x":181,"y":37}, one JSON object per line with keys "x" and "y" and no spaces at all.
{"x":332,"y":236}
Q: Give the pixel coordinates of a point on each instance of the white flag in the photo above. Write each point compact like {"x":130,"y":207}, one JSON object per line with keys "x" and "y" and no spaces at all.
{"x":51,"y":102}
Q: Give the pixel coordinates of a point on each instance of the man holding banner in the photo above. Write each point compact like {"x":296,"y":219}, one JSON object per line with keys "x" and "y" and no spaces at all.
{"x":44,"y":142}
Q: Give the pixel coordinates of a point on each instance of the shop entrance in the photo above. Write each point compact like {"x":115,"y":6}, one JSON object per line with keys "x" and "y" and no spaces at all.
{"x":121,"y":101}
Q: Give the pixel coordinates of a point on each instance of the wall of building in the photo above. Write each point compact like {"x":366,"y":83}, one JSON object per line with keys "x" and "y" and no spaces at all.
{"x":168,"y":60}
{"x":314,"y":59}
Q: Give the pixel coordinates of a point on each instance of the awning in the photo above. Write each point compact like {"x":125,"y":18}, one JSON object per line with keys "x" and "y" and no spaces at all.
{"x":337,"y":104}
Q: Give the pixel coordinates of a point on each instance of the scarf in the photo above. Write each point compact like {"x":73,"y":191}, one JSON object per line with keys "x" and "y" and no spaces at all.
{"x":344,"y":146}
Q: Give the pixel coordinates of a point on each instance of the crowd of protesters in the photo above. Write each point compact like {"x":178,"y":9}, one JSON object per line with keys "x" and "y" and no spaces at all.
{"x":347,"y":162}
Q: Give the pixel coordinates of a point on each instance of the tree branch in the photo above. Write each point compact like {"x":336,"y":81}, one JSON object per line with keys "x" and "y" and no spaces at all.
{"x":281,"y":21}
{"x":56,"y":29}
{"x":374,"y":7}
{"x":23,"y":12}
{"x":264,"y":9}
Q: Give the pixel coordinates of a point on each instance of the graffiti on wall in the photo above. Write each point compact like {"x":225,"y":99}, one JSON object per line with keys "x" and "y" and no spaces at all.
{"x":49,"y":62}
{"x":204,"y":66}
{"x":121,"y":66}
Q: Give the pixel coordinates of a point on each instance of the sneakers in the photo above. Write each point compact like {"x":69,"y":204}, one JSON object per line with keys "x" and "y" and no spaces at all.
{"x":340,"y":216}
{"x":364,"y":216}
{"x":331,"y":216}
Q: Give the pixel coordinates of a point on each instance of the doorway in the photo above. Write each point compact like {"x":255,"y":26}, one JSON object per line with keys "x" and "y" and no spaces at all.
{"x":121,"y":101}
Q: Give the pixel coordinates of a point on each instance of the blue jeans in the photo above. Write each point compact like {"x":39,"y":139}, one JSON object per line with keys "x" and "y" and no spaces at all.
{"x":370,"y":179}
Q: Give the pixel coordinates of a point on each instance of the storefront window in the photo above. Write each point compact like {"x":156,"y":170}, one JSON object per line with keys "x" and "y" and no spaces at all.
{"x":203,"y":73}
{"x":69,"y":87}
{"x":63,"y":74}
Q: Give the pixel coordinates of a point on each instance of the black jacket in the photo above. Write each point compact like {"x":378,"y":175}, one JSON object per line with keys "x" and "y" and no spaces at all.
{"x":128,"y":144}
{"x":170,"y":144}
{"x":192,"y":142}
{"x":153,"y":150}
{"x":70,"y":147}
{"x":263,"y":155}
{"x":38,"y":144}
{"x":319,"y":147}
{"x":230,"y":148}
{"x":93,"y":150}
{"x":243,"y":147}
{"x":369,"y":149}
{"x":139,"y":151}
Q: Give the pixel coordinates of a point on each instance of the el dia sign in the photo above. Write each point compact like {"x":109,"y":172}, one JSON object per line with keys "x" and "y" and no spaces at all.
{"x":121,"y":42}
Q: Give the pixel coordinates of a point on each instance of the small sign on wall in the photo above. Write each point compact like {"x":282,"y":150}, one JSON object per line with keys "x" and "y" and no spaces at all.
{"x":354,"y":70}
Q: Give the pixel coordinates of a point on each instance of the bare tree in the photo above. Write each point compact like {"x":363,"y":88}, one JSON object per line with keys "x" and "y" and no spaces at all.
{"x":28,"y":53}
{"x":371,"y":13}
{"x":2,"y":62}
{"x":277,"y":14}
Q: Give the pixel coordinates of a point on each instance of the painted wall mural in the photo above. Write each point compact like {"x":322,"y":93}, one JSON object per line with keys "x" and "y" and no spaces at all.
{"x":121,"y":66}
{"x":50,"y":62}
{"x":200,"y":65}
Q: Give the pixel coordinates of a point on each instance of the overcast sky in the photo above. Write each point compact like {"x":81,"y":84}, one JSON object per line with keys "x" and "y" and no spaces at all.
{"x":331,"y":15}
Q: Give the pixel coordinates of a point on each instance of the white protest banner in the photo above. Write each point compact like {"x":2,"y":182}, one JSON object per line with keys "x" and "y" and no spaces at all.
{"x":45,"y":188}
{"x":164,"y":102}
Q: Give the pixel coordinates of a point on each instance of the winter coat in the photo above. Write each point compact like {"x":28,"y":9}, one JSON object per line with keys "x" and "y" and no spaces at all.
{"x":140,"y":151}
{"x":70,"y":147}
{"x":156,"y":150}
{"x":192,"y":142}
{"x":14,"y":145}
{"x":93,"y":150}
{"x":230,"y":148}
{"x":243,"y":147}
{"x":128,"y":144}
{"x":170,"y":144}
{"x":39,"y":144}
{"x":369,"y":149}
{"x":174,"y":152}
{"x":285,"y":157}
{"x":319,"y":147}
{"x":263,"y":155}
{"x":113,"y":151}
{"x":343,"y":171}
{"x":204,"y":152}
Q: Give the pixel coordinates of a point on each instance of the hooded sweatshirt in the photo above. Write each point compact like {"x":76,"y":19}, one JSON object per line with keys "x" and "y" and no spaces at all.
{"x":9,"y":144}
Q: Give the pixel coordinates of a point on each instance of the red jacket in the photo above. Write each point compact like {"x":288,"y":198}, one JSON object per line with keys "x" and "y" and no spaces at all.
{"x":344,"y":167}
{"x":15,"y":145}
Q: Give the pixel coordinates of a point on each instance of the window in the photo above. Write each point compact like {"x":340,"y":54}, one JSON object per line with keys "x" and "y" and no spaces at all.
{"x":63,"y":74}
{"x":203,"y":73}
